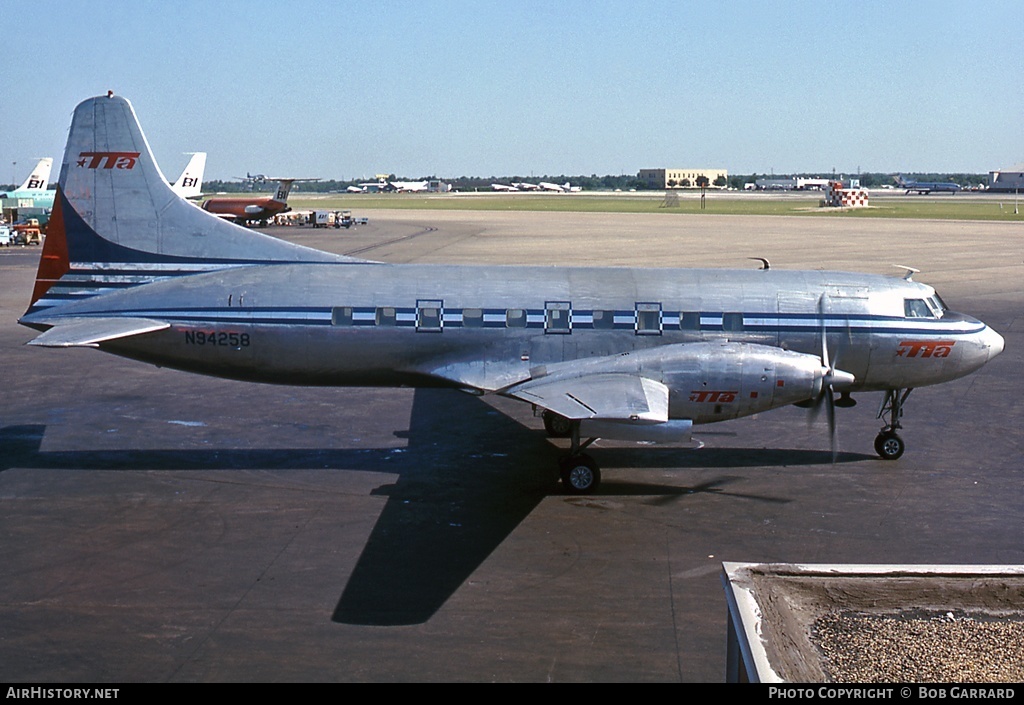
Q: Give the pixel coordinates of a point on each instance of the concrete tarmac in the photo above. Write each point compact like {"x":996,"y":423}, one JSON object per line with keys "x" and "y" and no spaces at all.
{"x":159,"y":526}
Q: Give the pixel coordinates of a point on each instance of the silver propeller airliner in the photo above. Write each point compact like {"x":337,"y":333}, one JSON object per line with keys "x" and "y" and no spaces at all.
{"x":131,"y":268}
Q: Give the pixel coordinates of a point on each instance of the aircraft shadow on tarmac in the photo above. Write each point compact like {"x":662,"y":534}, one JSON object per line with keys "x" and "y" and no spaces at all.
{"x":467,"y":478}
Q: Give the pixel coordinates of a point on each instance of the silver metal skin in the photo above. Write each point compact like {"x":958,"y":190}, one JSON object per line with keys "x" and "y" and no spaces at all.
{"x":633,"y":353}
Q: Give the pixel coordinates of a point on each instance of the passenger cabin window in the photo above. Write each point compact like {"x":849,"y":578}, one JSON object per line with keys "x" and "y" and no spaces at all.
{"x":689,"y":320}
{"x":341,"y":316}
{"x":386,"y":316}
{"x":916,"y":308}
{"x":604,"y":320}
{"x":732,"y":321}
{"x":472,"y":318}
{"x":428,"y":316}
{"x":515,"y":318}
{"x":648,"y":319}
{"x":557,"y":317}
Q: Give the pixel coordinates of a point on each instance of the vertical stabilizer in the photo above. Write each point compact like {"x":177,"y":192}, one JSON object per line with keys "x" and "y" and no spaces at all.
{"x":117,"y":223}
{"x":190,"y":183}
{"x":284,"y":188}
{"x":112,"y":182}
{"x":39,"y":177}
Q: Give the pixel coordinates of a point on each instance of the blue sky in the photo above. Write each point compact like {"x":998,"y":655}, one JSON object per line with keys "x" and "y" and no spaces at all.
{"x":522,"y":87}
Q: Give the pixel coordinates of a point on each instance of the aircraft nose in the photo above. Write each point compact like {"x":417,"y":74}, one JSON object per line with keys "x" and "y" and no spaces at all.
{"x":993,"y":341}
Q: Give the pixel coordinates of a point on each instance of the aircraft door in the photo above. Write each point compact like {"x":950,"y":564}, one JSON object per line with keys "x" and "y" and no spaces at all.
{"x":844,"y":311}
{"x":797,"y":311}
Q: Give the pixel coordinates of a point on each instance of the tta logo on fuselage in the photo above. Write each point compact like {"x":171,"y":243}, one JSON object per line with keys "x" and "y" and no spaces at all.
{"x":925,"y":348}
{"x":703,"y":395}
{"x":107,"y":160}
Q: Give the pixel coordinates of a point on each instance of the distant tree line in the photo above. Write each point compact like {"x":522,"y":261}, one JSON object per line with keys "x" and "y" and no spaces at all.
{"x":609,"y":182}
{"x":867,"y":179}
{"x":460,"y":183}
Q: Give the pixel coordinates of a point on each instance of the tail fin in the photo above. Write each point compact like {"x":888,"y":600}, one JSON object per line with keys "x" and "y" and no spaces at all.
{"x":39,"y":177}
{"x":284,"y":187}
{"x":190,"y":183}
{"x":111,"y":180}
{"x":118,"y":223}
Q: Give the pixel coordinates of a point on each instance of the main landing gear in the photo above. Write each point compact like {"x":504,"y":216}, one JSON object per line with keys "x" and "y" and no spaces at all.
{"x":579,"y":472}
{"x":557,"y":425}
{"x":888,"y":444}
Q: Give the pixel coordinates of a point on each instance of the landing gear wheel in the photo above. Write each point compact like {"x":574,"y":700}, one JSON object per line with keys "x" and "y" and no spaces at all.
{"x":580,"y":474}
{"x":557,"y":425}
{"x":889,"y":446}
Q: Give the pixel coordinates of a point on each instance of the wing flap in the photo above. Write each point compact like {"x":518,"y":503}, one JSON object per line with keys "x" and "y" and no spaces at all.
{"x":607,"y":396}
{"x":90,"y":332}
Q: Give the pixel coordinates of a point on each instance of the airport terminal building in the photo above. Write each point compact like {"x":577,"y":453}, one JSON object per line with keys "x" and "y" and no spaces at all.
{"x":682,"y":178}
{"x":1011,"y":179}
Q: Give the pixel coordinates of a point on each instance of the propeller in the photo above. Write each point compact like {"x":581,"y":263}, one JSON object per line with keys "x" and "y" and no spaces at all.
{"x":832,"y":379}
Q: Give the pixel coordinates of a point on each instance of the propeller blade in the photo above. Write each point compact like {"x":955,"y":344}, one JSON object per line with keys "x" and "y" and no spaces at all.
{"x":830,"y":406}
{"x":824,"y":333}
{"x":830,"y":379}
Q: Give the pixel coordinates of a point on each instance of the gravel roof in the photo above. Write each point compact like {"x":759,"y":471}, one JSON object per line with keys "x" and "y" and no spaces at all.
{"x":878,"y":623}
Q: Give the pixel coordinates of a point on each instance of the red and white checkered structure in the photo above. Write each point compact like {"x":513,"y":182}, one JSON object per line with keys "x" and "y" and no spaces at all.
{"x":838,"y":197}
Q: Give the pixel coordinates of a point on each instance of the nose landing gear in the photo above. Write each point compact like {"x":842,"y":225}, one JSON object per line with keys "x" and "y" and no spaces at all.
{"x":888,"y":443}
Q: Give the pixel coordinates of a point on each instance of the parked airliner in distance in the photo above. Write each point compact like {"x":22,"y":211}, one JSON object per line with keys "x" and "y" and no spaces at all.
{"x":559,"y":188}
{"x":926,"y":187}
{"x":542,"y":186}
{"x":132,"y":269}
{"x":34,"y":186}
{"x":407,"y":186}
{"x":244,"y":210}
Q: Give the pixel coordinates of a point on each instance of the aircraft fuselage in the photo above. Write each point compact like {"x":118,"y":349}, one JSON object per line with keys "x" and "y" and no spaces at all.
{"x":487,"y":328}
{"x":245,"y":209}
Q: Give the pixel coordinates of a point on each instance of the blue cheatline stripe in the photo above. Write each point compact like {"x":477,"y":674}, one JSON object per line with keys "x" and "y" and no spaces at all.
{"x":405,"y":317}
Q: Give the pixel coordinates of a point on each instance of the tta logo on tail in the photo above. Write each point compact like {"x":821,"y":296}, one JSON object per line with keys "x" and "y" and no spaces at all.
{"x":107,"y":160}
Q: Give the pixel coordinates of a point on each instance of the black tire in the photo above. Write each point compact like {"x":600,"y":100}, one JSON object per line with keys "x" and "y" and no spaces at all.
{"x":557,"y":425}
{"x":889,"y":445}
{"x":580,"y":474}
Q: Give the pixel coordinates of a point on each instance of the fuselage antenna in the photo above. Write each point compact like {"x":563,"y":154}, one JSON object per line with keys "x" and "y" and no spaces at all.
{"x":910,"y":271}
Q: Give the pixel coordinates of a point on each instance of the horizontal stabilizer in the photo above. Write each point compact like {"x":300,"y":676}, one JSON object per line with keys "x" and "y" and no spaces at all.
{"x":90,"y":332}
{"x":608,"y":396}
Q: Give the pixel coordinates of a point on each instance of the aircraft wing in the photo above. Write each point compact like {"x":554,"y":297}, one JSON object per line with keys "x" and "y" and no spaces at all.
{"x":90,"y":332}
{"x":610,"y":396}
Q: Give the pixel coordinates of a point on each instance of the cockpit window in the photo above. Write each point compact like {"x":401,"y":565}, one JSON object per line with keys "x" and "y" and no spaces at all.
{"x":937,"y":305}
{"x":916,"y":308}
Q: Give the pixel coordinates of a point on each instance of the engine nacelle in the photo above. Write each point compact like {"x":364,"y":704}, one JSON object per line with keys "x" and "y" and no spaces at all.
{"x":711,"y":382}
{"x":708,"y":382}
